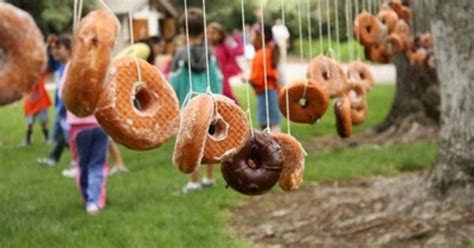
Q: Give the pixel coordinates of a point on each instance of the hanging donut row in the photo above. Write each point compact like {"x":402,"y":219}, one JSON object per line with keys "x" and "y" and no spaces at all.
{"x":388,"y":33}
{"x":306,"y":100}
{"x":137,"y":107}
{"x":19,"y":70}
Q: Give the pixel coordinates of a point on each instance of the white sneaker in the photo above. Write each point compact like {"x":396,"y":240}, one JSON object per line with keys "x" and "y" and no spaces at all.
{"x":48,"y":162}
{"x":191,"y":187}
{"x":117,"y":170}
{"x":70,"y":172}
{"x":92,"y":209}
{"x":206,"y":182}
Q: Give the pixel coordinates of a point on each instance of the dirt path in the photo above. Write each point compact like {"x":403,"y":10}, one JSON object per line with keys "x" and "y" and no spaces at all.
{"x":360,"y":213}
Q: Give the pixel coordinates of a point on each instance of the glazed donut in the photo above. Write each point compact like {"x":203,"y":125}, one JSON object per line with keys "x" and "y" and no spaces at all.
{"x":91,"y":57}
{"x":227,"y":133}
{"x":196,"y":117}
{"x":138,"y":115}
{"x":22,"y":53}
{"x":426,"y":41}
{"x":421,"y":56}
{"x":342,"y":110}
{"x":388,"y":18}
{"x":395,"y":43}
{"x":378,"y":53}
{"x":361,"y":72}
{"x":358,"y":115}
{"x":291,"y":176}
{"x":405,"y":14}
{"x":357,"y":94}
{"x":367,"y":29}
{"x":303,"y":108}
{"x":256,"y":168}
{"x":403,"y":30}
{"x":329,"y":74}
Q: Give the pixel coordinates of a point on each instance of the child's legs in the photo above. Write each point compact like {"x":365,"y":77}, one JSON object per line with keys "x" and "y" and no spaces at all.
{"x":29,"y":127}
{"x":95,"y":149}
{"x":274,"y":111}
{"x":261,"y":111}
{"x":210,"y":171}
{"x":44,"y":118}
{"x":194,"y":176}
{"x":115,"y":154}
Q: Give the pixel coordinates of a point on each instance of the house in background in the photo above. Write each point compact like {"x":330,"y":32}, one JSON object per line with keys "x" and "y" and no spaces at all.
{"x":149,"y":18}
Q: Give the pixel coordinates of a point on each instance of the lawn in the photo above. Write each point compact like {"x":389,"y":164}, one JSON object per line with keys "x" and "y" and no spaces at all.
{"x":344,"y":49}
{"x":39,"y":208}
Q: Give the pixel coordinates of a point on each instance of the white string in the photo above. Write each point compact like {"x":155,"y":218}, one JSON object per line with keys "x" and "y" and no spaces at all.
{"x":132,"y":41}
{"x":320,"y":22}
{"x":370,"y":6}
{"x":328,"y":16}
{"x":74,"y":17}
{"x":188,"y":51}
{"x":246,"y":66}
{"x":310,"y":47}
{"x":106,"y":7}
{"x":348,"y":9}
{"x":206,"y":46}
{"x":338,"y":39}
{"x":265,"y":73}
{"x":358,"y":33}
{"x":285,"y":62}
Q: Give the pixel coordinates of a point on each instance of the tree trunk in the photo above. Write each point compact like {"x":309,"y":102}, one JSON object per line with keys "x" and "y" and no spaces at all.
{"x":453,"y":31}
{"x":417,"y":98}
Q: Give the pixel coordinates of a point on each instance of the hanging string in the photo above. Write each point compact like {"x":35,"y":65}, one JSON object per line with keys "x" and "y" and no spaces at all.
{"x":77,"y":13}
{"x":338,"y":39}
{"x":348,"y":11}
{"x":265,"y":73}
{"x":285,"y":63}
{"x":370,"y":6}
{"x":246,"y":66}
{"x":320,"y":22}
{"x":358,"y":33}
{"x":206,"y":47}
{"x":310,"y":39}
{"x":328,"y":16}
{"x":132,"y":41}
{"x":188,"y":51}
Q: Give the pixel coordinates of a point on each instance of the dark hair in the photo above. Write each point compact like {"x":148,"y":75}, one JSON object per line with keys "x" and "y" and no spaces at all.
{"x":220,"y":29}
{"x":154,"y":40}
{"x":195,"y":22}
{"x":267,"y":30}
{"x":63,"y":40}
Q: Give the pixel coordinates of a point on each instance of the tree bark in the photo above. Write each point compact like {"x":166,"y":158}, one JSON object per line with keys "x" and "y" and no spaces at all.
{"x":453,"y":30}
{"x":417,"y":97}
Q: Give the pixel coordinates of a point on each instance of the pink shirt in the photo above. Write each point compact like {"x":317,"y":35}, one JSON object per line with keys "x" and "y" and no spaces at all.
{"x":71,"y":118}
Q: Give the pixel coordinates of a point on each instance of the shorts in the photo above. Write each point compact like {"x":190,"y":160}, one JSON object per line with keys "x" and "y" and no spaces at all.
{"x":41,"y":115}
{"x":273,"y":109}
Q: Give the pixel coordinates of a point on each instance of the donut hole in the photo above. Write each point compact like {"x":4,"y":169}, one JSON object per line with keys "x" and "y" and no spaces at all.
{"x":368,"y":29}
{"x":144,"y":100}
{"x":2,"y":55}
{"x":362,"y":76}
{"x":303,"y":102}
{"x":326,"y":75}
{"x":255,"y":159}
{"x":218,"y":129}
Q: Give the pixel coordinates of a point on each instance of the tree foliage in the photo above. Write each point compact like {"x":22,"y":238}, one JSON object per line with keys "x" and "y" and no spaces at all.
{"x":52,"y":16}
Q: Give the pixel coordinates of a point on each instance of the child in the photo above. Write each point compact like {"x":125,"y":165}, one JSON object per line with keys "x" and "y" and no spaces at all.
{"x":257,"y":79}
{"x":179,"y":79}
{"x":226,"y":50}
{"x":36,"y":106}
{"x":61,"y":52}
{"x":89,"y":151}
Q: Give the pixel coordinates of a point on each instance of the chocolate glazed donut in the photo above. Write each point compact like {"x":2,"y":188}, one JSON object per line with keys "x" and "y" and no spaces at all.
{"x":256,"y":168}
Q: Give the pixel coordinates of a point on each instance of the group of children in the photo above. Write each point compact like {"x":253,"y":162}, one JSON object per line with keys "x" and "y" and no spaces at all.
{"x":212,"y":70}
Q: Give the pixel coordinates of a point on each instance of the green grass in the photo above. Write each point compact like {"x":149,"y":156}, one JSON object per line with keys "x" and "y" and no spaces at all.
{"x":39,"y":208}
{"x":344,"y":49}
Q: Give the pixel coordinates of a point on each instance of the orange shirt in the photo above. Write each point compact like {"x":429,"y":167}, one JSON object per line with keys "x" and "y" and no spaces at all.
{"x":38,"y":98}
{"x":257,"y":76}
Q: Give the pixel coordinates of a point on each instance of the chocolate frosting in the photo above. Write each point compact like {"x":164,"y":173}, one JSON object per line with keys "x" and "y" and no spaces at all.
{"x":256,"y":168}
